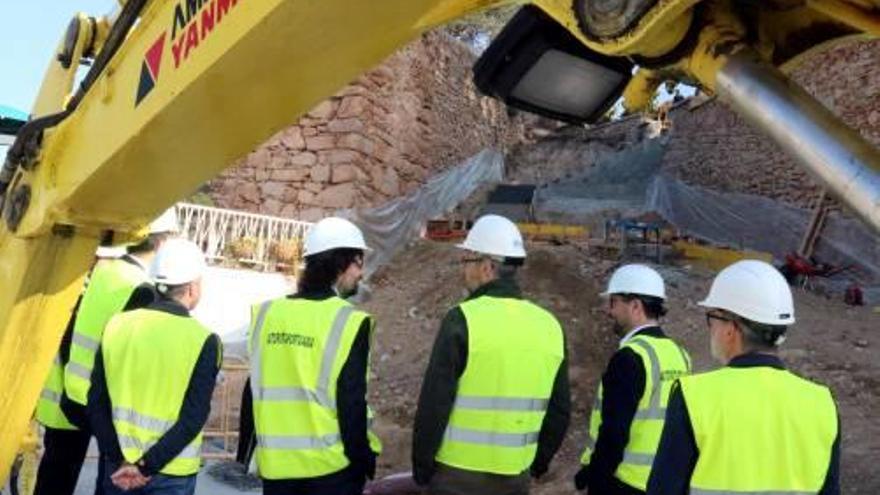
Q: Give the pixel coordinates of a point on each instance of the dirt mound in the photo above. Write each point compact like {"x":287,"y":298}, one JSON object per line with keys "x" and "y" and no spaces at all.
{"x":831,"y":343}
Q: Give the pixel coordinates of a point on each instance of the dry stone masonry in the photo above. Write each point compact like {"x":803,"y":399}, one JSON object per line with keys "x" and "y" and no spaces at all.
{"x":711,"y":146}
{"x":418,"y":113}
{"x":382,"y":136}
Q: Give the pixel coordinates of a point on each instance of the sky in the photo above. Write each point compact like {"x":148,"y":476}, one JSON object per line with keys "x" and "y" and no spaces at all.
{"x":29,"y":33}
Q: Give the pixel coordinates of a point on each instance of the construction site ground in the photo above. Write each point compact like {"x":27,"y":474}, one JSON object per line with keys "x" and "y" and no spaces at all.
{"x":832,"y":343}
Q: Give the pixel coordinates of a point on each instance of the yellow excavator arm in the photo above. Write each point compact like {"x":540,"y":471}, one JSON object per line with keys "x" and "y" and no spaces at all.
{"x":179,"y":89}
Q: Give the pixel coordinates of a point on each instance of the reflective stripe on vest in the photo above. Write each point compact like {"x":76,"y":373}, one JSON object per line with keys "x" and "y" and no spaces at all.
{"x":515,"y":349}
{"x":110,"y":286}
{"x":149,"y":357}
{"x":694,"y":491}
{"x":500,"y":403}
{"x":491,"y":437}
{"x":320,"y":394}
{"x":664,"y":361}
{"x":294,"y":404}
{"x":191,"y":452}
{"x":293,"y":442}
{"x":759,"y":430}
{"x":49,"y":413}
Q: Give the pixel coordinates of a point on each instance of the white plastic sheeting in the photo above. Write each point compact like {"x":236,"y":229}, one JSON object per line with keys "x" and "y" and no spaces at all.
{"x":388,"y":228}
{"x":757,"y":222}
{"x":228,"y":294}
{"x":616,"y":183}
{"x":227,"y":297}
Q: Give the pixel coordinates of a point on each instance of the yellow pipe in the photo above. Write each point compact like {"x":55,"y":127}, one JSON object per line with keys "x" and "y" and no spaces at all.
{"x":722,"y":36}
{"x":848,"y":14}
{"x":640,"y":90}
{"x":58,"y":81}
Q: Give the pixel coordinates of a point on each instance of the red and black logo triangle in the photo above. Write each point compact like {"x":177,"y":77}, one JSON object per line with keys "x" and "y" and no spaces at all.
{"x":150,"y":69}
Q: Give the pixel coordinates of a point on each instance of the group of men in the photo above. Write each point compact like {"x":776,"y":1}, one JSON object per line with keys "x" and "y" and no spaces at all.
{"x":494,"y":405}
{"x":134,"y":371}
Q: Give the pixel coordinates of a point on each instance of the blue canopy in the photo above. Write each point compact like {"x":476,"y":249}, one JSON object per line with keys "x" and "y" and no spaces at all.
{"x":7,"y":112}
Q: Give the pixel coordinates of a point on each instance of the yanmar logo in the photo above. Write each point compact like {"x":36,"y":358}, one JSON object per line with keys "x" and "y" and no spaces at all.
{"x":150,"y":69}
{"x":193,"y":22}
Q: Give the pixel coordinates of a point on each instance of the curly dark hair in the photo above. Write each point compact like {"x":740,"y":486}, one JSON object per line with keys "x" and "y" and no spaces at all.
{"x":322,"y":269}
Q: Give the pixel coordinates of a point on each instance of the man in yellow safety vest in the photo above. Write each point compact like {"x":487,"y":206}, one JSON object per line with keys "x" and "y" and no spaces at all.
{"x":117,"y":281}
{"x":750,"y":427}
{"x":495,"y":403}
{"x":153,"y":381}
{"x":309,"y":359}
{"x":630,"y":405}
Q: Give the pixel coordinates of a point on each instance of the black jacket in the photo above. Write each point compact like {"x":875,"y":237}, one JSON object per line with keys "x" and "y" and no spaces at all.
{"x":351,"y":407}
{"x":623,"y":385}
{"x":194,"y":411}
{"x":677,"y":454}
{"x":447,"y":363}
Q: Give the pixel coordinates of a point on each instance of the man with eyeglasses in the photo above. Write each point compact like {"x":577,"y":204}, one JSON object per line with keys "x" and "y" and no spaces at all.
{"x":629,"y":408}
{"x":750,"y":427}
{"x":494,"y":404}
{"x":309,"y":360}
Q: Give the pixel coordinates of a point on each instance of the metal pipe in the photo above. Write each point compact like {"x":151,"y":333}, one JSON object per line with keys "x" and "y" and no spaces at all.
{"x":844,"y":162}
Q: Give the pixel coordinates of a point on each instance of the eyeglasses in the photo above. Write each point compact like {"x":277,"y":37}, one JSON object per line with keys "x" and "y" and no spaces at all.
{"x":615,"y":299}
{"x":465,"y":261}
{"x":359,"y":262}
{"x":715,"y":316}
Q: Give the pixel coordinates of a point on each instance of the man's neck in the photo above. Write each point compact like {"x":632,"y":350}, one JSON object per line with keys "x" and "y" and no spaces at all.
{"x":143,"y":259}
{"x":634,"y":329}
{"x":642,"y":323}
{"x":186,"y":302}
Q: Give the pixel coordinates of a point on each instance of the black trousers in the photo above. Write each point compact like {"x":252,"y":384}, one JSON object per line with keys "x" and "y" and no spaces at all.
{"x":64,"y":452}
{"x":448,"y":480}
{"x":345,"y":482}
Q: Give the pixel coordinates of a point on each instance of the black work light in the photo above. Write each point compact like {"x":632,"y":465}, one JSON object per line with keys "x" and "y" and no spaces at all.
{"x":535,"y":64}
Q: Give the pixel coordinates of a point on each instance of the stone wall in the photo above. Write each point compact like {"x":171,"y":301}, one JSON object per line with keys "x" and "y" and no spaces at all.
{"x":418,"y":113}
{"x":712,"y":146}
{"x":566,"y":152}
{"x":380,"y":137}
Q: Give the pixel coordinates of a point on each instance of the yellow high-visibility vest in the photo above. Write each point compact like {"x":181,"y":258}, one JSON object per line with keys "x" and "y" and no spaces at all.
{"x":759,"y":430}
{"x":110,"y":286}
{"x":664,"y":362}
{"x":49,"y":413}
{"x":297,"y":350}
{"x":149,"y":357}
{"x":515,"y":349}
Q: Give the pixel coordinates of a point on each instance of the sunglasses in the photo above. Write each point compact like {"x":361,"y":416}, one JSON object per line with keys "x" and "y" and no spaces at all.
{"x":465,"y":261}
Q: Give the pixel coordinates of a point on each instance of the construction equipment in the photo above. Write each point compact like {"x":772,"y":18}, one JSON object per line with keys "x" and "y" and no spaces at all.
{"x":178,"y":90}
{"x":801,"y":270}
{"x":716,"y":258}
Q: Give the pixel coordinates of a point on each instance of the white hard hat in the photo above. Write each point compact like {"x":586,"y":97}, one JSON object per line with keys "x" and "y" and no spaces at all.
{"x":333,"y":233}
{"x":753,"y":290}
{"x":636,"y":279}
{"x":165,"y":223}
{"x":110,"y":252}
{"x":495,"y":235}
{"x":177,"y":262}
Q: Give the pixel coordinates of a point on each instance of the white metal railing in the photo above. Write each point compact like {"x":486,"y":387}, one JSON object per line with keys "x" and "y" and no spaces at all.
{"x":216,"y":228}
